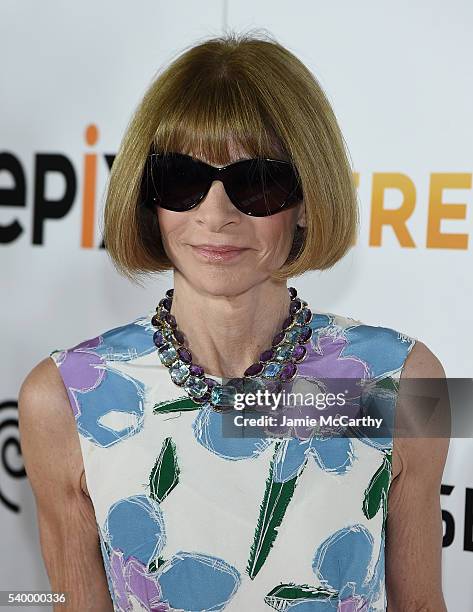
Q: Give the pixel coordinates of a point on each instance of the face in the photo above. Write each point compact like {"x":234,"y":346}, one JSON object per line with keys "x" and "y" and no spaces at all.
{"x":264,"y":242}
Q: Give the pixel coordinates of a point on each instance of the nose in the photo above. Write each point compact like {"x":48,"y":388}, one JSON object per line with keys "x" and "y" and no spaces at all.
{"x":216,"y":209}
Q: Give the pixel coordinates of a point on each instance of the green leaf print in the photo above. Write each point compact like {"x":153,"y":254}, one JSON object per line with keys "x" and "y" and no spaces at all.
{"x":285,"y":595}
{"x":181,"y":403}
{"x":155,"y":564}
{"x":376,"y":495}
{"x":389,"y":383}
{"x":277,"y":496}
{"x":165,"y":473}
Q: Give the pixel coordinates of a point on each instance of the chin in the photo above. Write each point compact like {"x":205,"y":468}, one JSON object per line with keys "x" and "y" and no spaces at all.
{"x":224,"y":282}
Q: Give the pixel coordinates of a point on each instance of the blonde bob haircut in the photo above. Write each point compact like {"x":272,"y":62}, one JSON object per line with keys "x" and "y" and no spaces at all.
{"x":248,"y":90}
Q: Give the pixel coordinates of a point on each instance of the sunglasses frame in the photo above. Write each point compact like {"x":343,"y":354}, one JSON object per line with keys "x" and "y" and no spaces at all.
{"x":217,"y":173}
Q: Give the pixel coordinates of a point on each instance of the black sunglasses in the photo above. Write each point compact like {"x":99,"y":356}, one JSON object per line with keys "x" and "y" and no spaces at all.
{"x":258,"y":187}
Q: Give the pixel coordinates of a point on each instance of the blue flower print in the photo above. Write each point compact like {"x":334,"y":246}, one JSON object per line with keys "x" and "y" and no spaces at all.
{"x":96,"y":389}
{"x":132,"y":539}
{"x":341,"y":561}
{"x":333,"y":454}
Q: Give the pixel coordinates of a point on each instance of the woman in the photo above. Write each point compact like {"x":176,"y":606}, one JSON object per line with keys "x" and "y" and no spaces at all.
{"x":233,"y":174}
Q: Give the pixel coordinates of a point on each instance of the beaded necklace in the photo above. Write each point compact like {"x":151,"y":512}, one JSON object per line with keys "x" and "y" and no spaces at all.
{"x":276,"y":365}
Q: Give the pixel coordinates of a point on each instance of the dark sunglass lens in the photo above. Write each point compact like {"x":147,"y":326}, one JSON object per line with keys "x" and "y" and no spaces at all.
{"x":262,"y":188}
{"x":178,"y":181}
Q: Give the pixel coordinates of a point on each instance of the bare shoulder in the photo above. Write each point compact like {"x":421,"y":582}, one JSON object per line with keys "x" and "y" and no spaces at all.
{"x":422,"y":363}
{"x":47,"y":428}
{"x":421,"y":438}
{"x":67,"y":524}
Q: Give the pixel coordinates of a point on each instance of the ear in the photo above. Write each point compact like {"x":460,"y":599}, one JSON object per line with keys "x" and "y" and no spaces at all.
{"x":301,"y":220}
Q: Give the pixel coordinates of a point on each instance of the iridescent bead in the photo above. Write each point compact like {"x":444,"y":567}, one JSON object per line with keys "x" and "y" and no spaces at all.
{"x":155,"y":321}
{"x":202,"y":400}
{"x":249,"y":385}
{"x":196,"y":370}
{"x":292,"y":292}
{"x":158,"y":339}
{"x":305,"y":334}
{"x":184,"y":354}
{"x":288,"y":372}
{"x":160,"y":313}
{"x":168,"y":334}
{"x":179,"y":336}
{"x":166,"y":303}
{"x":167,"y":354}
{"x":271,"y":370}
{"x":195,"y":386}
{"x":210,"y":382}
{"x":223,"y":395}
{"x":179,"y":372}
{"x":288,"y":322}
{"x":284,"y":352}
{"x":170,"y":319}
{"x":254,"y":369}
{"x":299,"y":352}
{"x":278,"y":338}
{"x":292,"y":334}
{"x":295,"y":306}
{"x":266,"y":355}
{"x":301,"y":316}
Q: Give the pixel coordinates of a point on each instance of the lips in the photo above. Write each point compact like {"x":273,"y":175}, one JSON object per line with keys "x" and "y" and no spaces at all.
{"x":218,"y":248}
{"x":219,"y":253}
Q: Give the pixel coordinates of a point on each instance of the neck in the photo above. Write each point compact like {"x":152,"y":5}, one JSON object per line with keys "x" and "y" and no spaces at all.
{"x":227,"y":333}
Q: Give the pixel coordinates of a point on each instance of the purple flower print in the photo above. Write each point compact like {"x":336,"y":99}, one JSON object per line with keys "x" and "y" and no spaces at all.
{"x":133,"y":537}
{"x":96,"y":387}
{"x":131,"y":580}
{"x":81,"y":370}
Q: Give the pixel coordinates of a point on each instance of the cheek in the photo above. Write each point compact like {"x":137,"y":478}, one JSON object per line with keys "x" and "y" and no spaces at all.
{"x":164,"y":219}
{"x":169,"y":221}
{"x":169,"y":224}
{"x":276,"y":232}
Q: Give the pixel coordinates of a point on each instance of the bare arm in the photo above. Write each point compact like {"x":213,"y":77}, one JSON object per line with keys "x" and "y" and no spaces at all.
{"x":414,"y":520}
{"x":66,"y":519}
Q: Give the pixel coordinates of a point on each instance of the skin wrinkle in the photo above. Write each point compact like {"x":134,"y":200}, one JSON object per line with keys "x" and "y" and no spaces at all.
{"x":67,"y":525}
{"x":414,"y":520}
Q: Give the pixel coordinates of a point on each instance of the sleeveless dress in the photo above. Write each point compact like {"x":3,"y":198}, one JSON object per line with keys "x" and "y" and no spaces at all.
{"x":189,"y":519}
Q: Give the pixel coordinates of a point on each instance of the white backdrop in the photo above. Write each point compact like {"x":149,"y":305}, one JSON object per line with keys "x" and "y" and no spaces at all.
{"x":400,"y":80}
